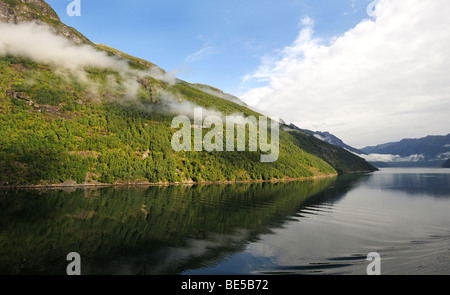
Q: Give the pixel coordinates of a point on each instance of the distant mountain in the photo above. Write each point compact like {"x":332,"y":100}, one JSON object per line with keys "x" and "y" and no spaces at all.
{"x":329,"y":138}
{"x":447,"y":164}
{"x":330,"y":148}
{"x":430,"y":151}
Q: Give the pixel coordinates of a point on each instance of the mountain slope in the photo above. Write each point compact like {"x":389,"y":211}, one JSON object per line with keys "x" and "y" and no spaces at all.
{"x":329,"y":138}
{"x":341,"y":159}
{"x":21,"y":11}
{"x":91,"y":114}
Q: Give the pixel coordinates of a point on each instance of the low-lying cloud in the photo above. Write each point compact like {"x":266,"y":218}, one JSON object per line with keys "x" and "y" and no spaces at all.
{"x":178,"y":106}
{"x":41,"y":44}
{"x":388,"y":158}
{"x":220,"y":94}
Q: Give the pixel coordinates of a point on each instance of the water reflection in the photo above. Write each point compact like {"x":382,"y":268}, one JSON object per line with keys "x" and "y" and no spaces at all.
{"x":413,"y":181}
{"x":154,"y":230}
{"x":323,"y":226}
{"x":335,"y":235}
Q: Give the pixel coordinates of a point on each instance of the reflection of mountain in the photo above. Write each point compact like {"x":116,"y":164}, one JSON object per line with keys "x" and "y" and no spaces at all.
{"x":434,"y":184}
{"x":155,"y":230}
{"x":337,"y":190}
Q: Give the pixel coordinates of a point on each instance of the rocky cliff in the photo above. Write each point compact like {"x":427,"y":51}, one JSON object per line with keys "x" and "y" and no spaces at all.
{"x":21,"y":11}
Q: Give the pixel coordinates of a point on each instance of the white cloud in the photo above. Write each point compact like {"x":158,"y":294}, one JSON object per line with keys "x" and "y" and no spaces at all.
{"x":39,"y":43}
{"x":207,"y":50}
{"x":388,"y":158}
{"x":384,"y":80}
{"x":320,"y":137}
{"x":443,"y":156}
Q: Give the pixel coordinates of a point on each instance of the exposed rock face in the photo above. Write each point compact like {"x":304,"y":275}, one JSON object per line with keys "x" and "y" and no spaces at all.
{"x":7,"y":14}
{"x":21,"y":11}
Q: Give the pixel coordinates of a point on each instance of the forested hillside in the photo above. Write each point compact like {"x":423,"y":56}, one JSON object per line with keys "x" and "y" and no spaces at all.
{"x":110,"y":122}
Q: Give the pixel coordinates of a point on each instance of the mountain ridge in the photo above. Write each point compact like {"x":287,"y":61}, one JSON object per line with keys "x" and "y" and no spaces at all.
{"x":22,"y":11}
{"x":330,"y":138}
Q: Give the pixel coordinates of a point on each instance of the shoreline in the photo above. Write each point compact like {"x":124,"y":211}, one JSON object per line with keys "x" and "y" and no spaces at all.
{"x":148,"y":184}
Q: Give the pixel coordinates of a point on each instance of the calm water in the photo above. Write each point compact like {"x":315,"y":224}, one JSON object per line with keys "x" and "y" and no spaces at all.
{"x":315,"y":227}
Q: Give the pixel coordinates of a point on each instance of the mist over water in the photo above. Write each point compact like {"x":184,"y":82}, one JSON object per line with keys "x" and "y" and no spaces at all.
{"x":313,"y":227}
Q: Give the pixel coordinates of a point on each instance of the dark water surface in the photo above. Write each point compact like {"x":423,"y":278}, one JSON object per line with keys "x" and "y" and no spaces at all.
{"x":314,"y":227}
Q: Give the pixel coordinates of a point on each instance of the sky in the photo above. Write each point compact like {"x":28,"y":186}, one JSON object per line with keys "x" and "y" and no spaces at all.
{"x":369,"y":72}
